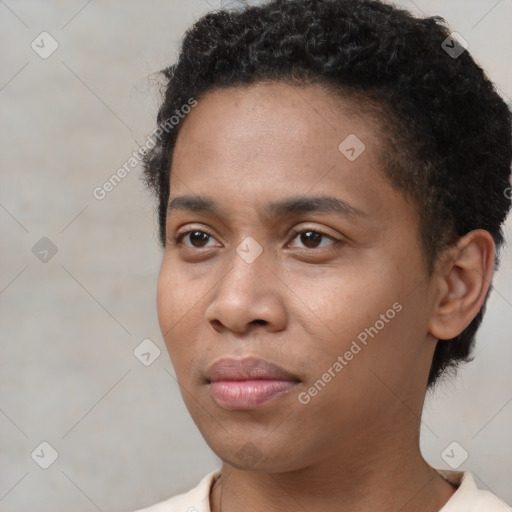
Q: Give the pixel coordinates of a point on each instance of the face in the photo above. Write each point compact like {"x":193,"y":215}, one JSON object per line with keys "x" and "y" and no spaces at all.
{"x":329,"y":283}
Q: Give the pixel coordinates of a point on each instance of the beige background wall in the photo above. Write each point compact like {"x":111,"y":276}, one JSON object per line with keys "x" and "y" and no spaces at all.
{"x":69,"y":326}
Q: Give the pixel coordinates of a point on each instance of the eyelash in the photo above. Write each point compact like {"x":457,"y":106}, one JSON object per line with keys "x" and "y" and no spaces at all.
{"x":293,"y":234}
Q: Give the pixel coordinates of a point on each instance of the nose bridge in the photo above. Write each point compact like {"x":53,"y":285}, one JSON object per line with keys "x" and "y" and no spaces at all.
{"x":249,"y":262}
{"x":248,"y":291}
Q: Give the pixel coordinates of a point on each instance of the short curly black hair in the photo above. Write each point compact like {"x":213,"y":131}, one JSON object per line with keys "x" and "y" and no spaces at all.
{"x":447,"y":137}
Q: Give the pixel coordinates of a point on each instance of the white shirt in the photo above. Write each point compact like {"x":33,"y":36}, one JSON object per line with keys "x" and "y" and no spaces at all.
{"x":467,"y":497}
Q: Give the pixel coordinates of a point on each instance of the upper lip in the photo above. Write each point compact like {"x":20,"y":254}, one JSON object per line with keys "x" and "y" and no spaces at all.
{"x":248,"y":368}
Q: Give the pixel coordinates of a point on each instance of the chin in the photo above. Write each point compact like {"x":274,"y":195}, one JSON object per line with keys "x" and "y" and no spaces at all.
{"x":257,"y":453}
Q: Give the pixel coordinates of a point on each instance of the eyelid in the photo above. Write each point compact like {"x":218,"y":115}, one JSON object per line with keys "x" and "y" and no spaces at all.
{"x":292,"y":234}
{"x":190,"y":228}
{"x":300,"y":229}
{"x":180,"y":234}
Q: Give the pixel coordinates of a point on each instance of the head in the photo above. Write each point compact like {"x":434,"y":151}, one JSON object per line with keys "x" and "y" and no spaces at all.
{"x":354,"y":100}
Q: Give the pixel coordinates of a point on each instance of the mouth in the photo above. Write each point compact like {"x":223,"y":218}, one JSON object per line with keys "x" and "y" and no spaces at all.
{"x":244,"y":384}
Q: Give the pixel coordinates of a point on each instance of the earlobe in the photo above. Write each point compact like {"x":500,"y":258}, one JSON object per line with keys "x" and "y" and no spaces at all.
{"x":464,"y":280}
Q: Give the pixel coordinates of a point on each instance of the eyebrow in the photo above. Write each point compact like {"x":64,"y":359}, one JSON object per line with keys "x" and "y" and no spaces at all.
{"x":281,"y":208}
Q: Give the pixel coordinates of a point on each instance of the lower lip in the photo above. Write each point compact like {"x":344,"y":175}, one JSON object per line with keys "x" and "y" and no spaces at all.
{"x":247,"y":394}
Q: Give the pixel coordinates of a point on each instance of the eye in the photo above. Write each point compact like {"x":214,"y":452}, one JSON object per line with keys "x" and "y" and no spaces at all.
{"x":197,"y":236}
{"x":310,"y":237}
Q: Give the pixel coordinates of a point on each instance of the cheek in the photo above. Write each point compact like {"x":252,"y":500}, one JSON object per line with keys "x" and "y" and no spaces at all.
{"x":366,"y":317}
{"x":175,"y":295}
{"x":345,"y":301}
{"x":378,"y":328}
{"x":180,"y":309}
{"x":165,"y":300}
{"x":174,"y":306}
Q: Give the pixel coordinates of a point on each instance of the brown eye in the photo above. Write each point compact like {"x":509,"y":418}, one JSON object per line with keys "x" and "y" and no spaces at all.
{"x":197,"y":238}
{"x":311,"y":238}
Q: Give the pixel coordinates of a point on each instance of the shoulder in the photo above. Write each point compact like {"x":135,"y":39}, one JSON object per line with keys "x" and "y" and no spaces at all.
{"x":195,"y":500}
{"x":468,"y":498}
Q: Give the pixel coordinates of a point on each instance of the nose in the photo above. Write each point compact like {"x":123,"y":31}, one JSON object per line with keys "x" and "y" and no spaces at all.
{"x":248,"y":295}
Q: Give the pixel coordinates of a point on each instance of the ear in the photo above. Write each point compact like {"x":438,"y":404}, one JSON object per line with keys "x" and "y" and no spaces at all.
{"x":463,"y":280}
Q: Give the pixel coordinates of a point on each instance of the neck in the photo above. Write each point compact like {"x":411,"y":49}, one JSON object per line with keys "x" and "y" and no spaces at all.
{"x":385,"y":476}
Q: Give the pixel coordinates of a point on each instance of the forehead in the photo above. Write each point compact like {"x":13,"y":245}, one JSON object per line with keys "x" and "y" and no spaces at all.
{"x":273,"y":139}
{"x":275,"y":115}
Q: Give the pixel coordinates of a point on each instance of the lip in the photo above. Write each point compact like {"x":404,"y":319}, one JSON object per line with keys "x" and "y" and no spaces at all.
{"x":247,"y":383}
{"x":248,"y":368}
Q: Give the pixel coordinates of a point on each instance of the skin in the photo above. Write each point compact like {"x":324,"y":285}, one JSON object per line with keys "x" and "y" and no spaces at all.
{"x":303,"y":301}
